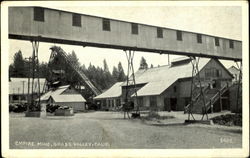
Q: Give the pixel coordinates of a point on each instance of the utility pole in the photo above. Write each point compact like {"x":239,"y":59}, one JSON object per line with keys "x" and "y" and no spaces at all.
{"x":23,"y":87}
{"x":28,"y":95}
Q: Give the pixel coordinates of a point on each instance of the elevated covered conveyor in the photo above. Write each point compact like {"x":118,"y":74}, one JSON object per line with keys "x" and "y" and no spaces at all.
{"x":57,"y":26}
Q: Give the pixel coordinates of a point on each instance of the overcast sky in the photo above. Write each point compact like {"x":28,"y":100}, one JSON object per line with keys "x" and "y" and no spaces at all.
{"x":223,"y":21}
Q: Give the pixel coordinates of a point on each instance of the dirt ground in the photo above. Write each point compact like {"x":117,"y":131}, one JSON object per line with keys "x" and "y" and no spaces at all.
{"x":110,"y":130}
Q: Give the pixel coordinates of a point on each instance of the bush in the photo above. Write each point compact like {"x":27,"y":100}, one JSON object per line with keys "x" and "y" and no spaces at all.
{"x":18,"y":107}
{"x":153,"y":114}
{"x":12,"y":107}
{"x":228,"y":120}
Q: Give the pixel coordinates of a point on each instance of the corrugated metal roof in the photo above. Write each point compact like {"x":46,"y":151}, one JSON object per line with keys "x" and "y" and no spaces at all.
{"x":114,"y":91}
{"x":160,"y":78}
{"x":157,"y":79}
{"x":68,"y":98}
{"x":20,"y":85}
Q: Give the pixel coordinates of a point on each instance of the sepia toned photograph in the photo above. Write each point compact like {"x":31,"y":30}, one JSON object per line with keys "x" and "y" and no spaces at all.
{"x":124,"y":75}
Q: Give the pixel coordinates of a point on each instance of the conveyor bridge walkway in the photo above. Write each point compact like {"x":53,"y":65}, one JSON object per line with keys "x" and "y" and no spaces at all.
{"x":59,"y":51}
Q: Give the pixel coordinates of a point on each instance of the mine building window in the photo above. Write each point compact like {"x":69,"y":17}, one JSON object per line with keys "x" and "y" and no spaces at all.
{"x":38,"y":14}
{"x":76,"y":20}
{"x":175,"y":89}
{"x":179,"y":35}
{"x":213,"y":72}
{"x":23,"y":97}
{"x":231,"y":44}
{"x":199,"y":38}
{"x":140,"y":101}
{"x":112,"y":103}
{"x":134,"y":28}
{"x":105,"y":24}
{"x":118,"y":102}
{"x":217,"y":42}
{"x":218,"y":73}
{"x":153,"y":101}
{"x":159,"y":32}
{"x":15,"y":97}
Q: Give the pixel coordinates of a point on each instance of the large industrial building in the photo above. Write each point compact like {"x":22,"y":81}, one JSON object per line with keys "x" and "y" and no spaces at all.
{"x":165,"y":88}
{"x":168,"y":87}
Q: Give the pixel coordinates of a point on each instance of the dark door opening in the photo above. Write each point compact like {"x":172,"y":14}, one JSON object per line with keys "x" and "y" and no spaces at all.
{"x":225,"y":104}
{"x":166,"y":104}
{"x":173,"y":103}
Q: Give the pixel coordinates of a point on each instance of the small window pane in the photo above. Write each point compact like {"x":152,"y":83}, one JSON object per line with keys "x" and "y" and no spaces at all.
{"x":175,"y":89}
{"x":134,"y":28}
{"x":106,"y":25}
{"x":140,"y":101}
{"x":76,"y":20}
{"x":153,"y":101}
{"x":179,"y":35}
{"x":199,"y":38}
{"x":231,"y":44}
{"x":159,"y":33}
{"x":217,"y":42}
{"x":38,"y":14}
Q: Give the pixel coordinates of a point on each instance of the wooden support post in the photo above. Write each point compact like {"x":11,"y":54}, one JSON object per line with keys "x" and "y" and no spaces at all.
{"x":239,"y":88}
{"x":220,"y":100}
{"x":34,"y":74}
{"x":130,"y":83}
{"x":211,"y":106}
{"x":196,"y":79}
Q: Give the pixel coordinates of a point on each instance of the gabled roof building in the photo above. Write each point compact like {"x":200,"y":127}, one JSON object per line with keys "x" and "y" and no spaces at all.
{"x":235,"y":72}
{"x":64,"y":96}
{"x":111,"y":98}
{"x":168,"y":87}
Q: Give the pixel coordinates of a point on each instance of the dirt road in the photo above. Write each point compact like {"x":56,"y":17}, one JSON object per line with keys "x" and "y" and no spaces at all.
{"x":110,"y":130}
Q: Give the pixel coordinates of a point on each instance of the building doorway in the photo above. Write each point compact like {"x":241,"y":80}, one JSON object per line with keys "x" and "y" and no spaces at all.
{"x":173,"y":104}
{"x":166,"y":104}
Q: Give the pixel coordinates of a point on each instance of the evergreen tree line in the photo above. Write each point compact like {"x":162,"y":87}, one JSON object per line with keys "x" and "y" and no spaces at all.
{"x":22,"y":67}
{"x":102,"y":78}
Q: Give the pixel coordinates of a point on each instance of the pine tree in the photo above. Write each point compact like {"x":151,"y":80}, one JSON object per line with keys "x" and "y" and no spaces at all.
{"x":73,"y":58}
{"x":115,"y":74}
{"x":18,"y":65}
{"x":105,"y":66}
{"x":143,"y":64}
{"x":121,"y":76}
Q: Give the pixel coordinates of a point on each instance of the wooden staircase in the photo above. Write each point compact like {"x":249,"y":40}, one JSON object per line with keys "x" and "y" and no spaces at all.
{"x":211,"y":96}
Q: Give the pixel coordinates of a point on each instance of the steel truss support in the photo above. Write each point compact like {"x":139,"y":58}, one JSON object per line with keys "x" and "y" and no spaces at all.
{"x":34,"y":74}
{"x":239,"y":88}
{"x":196,"y":89}
{"x":131,"y":84}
